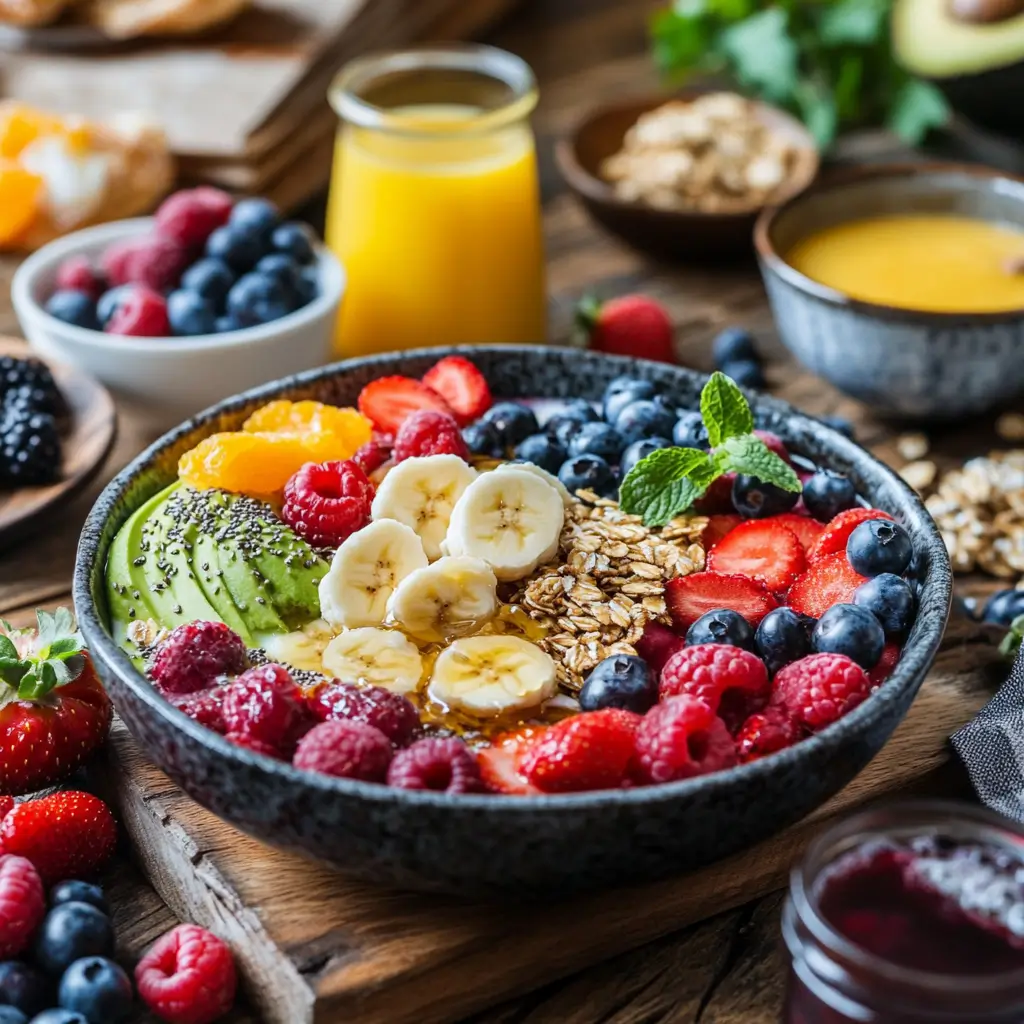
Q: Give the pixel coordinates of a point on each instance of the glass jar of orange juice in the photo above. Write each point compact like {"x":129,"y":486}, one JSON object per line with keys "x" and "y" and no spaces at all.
{"x":435,"y":207}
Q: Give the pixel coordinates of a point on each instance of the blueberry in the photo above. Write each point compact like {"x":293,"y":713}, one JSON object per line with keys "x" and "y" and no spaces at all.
{"x":782,"y":638}
{"x":482,"y":438}
{"x":227,"y":323}
{"x":855,"y":632}
{"x":258,"y":299}
{"x":9,"y":1015}
{"x":890,"y":599}
{"x":746,"y":374}
{"x":190,"y":314}
{"x":621,"y":392}
{"x":238,"y":250}
{"x":309,"y":286}
{"x":580,"y":409}
{"x":826,"y":494}
{"x":756,"y":500}
{"x":514,"y":422}
{"x":283,"y":269}
{"x":586,"y":472}
{"x":69,"y":932}
{"x":75,"y":308}
{"x":644,"y":418}
{"x":689,"y":431}
{"x":212,"y":279}
{"x":721,"y":627}
{"x":841,"y":425}
{"x":640,"y":450}
{"x":734,"y":345}
{"x":79,"y":892}
{"x":621,"y":681}
{"x":295,"y":240}
{"x":98,"y":989}
{"x":110,"y":301}
{"x":562,"y":428}
{"x":58,"y":1016}
{"x":23,"y":987}
{"x":542,"y":451}
{"x":256,"y":218}
{"x":597,"y":439}
{"x":878,"y":546}
{"x":1003,"y":607}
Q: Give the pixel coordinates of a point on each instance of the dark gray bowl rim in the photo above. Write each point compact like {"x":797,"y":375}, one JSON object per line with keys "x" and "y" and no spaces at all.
{"x":915,"y":661}
{"x":771,"y":259}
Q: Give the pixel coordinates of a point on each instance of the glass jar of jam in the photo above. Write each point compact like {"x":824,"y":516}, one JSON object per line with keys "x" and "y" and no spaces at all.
{"x":911,"y":914}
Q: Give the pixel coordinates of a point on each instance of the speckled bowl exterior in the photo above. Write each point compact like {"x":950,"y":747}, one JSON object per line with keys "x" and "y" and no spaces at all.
{"x":473,"y":844}
{"x":904,"y":363}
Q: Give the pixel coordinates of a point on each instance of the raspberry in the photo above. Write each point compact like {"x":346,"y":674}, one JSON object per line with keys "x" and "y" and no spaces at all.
{"x":349,"y":750}
{"x":189,"y":217}
{"x":680,"y":738}
{"x":818,"y":690}
{"x":765,"y":733}
{"x":141,"y":313}
{"x":77,"y":274}
{"x":328,"y":501}
{"x":428,"y":432}
{"x":22,"y":904}
{"x":265,"y":704}
{"x":153,"y":261}
{"x":585,"y":752}
{"x":187,"y":977}
{"x":389,"y":712}
{"x":657,"y":644}
{"x":372,"y":456}
{"x":889,"y":660}
{"x":195,"y":654}
{"x":441,"y":765}
{"x":205,"y":706}
{"x":732,"y":682}
{"x":257,"y":746}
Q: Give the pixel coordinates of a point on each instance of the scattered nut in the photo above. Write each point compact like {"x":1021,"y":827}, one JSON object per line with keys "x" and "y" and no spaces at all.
{"x":1010,"y":426}
{"x":912,"y":446}
{"x":920,"y":475}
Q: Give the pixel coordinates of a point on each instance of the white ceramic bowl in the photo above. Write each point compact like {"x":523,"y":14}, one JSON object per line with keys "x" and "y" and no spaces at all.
{"x":161,"y":381}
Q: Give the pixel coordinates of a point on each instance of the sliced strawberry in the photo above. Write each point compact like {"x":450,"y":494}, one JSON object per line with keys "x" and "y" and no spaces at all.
{"x":461,"y":384}
{"x":889,"y":660}
{"x":690,"y":597}
{"x":388,"y":400}
{"x":499,"y":763}
{"x":829,"y":581}
{"x":763,"y":550}
{"x":835,"y":535}
{"x":717,"y":528}
{"x":807,"y":530}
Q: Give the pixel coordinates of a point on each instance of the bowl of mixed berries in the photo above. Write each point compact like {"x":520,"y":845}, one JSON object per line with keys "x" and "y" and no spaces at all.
{"x":174,"y":312}
{"x":510,"y":617}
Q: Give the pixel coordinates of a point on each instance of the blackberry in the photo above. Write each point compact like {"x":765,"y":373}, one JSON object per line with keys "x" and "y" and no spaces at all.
{"x":34,"y":397}
{"x":30,"y":449}
{"x":16,"y":374}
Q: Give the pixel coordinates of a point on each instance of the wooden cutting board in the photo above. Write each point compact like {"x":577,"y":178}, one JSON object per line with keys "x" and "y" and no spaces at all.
{"x":314,"y":947}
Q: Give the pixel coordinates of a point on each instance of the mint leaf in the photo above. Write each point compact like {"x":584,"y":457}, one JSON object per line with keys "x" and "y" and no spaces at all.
{"x":724,"y":410}
{"x":751,"y":456}
{"x":853,"y":22}
{"x":666,"y":483}
{"x":915,"y":109}
{"x":819,"y":112}
{"x":763,"y":54}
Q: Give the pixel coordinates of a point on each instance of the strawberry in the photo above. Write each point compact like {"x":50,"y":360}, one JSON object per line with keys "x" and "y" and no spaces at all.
{"x":889,"y":660}
{"x":54,"y":711}
{"x":65,"y":835}
{"x":632,"y":325}
{"x":763,"y":550}
{"x":807,"y":530}
{"x":835,"y":535}
{"x":6,"y":805}
{"x":387,"y":401}
{"x":718,"y":527}
{"x":829,"y":581}
{"x":499,"y":763}
{"x":690,"y":597}
{"x":462,"y":386}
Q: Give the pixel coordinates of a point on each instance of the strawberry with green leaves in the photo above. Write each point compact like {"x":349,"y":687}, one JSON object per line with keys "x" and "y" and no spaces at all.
{"x":54,"y":711}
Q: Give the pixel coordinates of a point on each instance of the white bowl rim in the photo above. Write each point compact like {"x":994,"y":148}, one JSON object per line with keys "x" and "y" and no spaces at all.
{"x":333,"y":282}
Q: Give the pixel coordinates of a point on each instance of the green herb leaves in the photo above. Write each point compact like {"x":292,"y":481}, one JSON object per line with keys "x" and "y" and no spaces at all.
{"x":667,"y":482}
{"x":57,"y":658}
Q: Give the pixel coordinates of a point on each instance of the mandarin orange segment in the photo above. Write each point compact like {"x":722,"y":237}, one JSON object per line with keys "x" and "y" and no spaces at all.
{"x":329,"y":432}
{"x":246,"y":463}
{"x":20,"y":193}
{"x":21,"y":126}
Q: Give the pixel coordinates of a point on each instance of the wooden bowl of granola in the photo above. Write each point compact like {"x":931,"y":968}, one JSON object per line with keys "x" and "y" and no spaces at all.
{"x":685,"y":177}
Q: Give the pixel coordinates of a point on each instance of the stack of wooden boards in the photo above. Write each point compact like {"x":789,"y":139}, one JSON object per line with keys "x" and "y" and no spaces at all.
{"x":245,"y":108}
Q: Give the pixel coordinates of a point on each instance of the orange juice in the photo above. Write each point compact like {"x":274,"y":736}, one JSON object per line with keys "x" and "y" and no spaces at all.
{"x":435,"y":214}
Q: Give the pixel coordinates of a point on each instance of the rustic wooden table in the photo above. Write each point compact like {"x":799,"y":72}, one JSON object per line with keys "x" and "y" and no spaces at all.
{"x":728,"y":969}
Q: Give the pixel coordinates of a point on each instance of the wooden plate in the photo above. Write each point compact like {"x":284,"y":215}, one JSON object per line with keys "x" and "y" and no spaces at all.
{"x":87,"y":442}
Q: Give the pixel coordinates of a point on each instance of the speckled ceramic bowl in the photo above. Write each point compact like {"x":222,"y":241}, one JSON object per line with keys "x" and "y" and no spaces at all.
{"x":901,"y":362}
{"x":484,"y":843}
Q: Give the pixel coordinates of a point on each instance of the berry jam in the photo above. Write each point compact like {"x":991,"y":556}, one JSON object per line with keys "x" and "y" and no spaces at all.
{"x":912,"y":914}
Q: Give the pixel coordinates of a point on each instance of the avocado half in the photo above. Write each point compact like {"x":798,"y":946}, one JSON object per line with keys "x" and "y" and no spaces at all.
{"x":978,"y":65}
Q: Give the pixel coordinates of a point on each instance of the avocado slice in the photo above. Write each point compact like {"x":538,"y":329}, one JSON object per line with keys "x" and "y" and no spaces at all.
{"x":978,"y":64}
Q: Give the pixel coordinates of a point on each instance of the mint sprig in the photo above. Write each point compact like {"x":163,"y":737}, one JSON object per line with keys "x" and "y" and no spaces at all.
{"x":57,"y":657}
{"x":669,"y":481}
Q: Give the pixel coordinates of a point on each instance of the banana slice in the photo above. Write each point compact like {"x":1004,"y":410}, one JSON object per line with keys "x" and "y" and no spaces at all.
{"x":451,"y":597}
{"x":512,"y":519}
{"x":377,"y":657}
{"x":492,"y":675}
{"x":563,"y":491}
{"x":365,"y":571}
{"x":422,"y":493}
